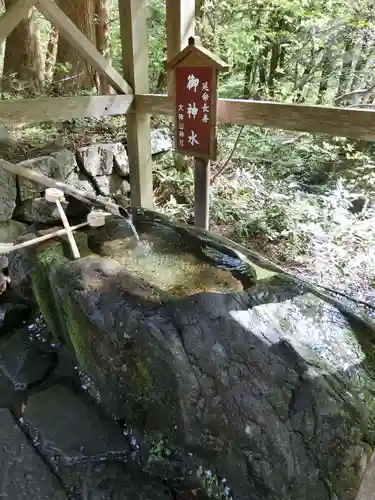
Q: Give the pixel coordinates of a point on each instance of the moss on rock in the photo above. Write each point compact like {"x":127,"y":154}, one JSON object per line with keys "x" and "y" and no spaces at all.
{"x":142,"y":379}
{"x":57,"y":310}
{"x":47,"y":257}
{"x":81,"y":240}
{"x":74,"y":328}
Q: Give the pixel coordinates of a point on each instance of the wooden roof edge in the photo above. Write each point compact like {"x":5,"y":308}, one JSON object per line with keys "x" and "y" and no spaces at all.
{"x":195,"y":45}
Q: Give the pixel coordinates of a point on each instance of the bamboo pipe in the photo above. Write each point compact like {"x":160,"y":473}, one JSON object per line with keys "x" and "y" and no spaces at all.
{"x":38,"y":178}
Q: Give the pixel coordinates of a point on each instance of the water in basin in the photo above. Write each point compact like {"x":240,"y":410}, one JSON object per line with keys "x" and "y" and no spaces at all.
{"x":173,"y":264}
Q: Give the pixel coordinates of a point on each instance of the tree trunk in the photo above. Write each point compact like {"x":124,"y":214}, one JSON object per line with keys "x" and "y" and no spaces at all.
{"x":346,"y":70}
{"x":72,"y":73}
{"x":326,"y":73}
{"x":263,"y":63}
{"x":103,"y":44}
{"x":2,"y":52}
{"x":247,"y":91}
{"x":51,"y":54}
{"x":307,"y":76}
{"x":251,"y":68}
{"x":22,"y":59}
{"x":361,"y":63}
{"x":278,"y":26}
{"x":274,"y":63}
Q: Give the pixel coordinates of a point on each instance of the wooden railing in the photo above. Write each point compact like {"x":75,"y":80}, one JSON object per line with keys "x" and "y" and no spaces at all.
{"x":346,"y":122}
{"x":133,"y":98}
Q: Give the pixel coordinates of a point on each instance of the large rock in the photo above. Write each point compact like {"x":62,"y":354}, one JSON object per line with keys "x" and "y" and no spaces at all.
{"x":120,"y":160}
{"x":39,"y":210}
{"x":107,"y":167}
{"x":114,"y":187}
{"x":12,"y":311}
{"x":102,"y":159}
{"x":5,"y":138}
{"x":8,"y":195}
{"x":77,"y":430}
{"x":80,"y":181}
{"x":161,"y":140}
{"x":60,"y":166}
{"x":45,"y":165}
{"x":10,"y":231}
{"x":23,"y":474}
{"x":66,"y":160}
{"x":85,"y":449}
{"x":270,"y":384}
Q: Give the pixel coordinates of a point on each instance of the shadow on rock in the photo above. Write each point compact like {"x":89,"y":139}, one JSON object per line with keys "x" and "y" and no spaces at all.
{"x":256,"y":376}
{"x":244,"y":385}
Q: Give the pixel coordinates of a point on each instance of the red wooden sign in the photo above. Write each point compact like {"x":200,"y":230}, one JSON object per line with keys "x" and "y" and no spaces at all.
{"x":195,"y":90}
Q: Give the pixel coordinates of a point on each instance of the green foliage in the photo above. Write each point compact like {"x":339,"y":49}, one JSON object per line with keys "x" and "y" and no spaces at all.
{"x":213,"y":486}
{"x":283,"y":44}
{"x":160,"y":449}
{"x":290,"y":191}
{"x":281,"y":191}
{"x":157,"y":34}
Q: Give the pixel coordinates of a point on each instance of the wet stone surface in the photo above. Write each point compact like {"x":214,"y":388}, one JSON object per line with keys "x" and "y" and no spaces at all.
{"x":79,"y":433}
{"x":23,"y":474}
{"x":24,"y":364}
{"x":58,"y":443}
{"x":182,"y":368}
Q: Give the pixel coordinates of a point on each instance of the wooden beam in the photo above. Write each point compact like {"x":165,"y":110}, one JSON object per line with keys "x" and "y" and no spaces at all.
{"x":180,"y":15}
{"x":13,"y":16}
{"x":345,"y":122}
{"x":62,"y":108}
{"x":78,"y":40}
{"x":155,"y":104}
{"x":134,"y":39}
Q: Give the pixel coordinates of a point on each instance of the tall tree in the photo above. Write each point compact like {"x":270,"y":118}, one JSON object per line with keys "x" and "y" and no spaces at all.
{"x":72,"y":72}
{"x":347,"y":64}
{"x":102,"y":16}
{"x":327,"y":71}
{"x":51,"y":54}
{"x":22,"y":59}
{"x":365,"y":48}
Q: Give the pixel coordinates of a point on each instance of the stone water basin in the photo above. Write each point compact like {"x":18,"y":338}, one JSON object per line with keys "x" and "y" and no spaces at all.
{"x":215,"y":365}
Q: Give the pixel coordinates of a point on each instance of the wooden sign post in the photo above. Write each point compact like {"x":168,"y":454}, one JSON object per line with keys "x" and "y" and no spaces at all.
{"x":195,"y":72}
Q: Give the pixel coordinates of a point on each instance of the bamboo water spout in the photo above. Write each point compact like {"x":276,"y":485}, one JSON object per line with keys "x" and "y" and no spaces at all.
{"x":43,"y":180}
{"x":96,"y":201}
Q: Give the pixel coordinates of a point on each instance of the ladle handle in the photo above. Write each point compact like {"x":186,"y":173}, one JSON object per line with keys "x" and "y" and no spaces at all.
{"x":68,"y":229}
{"x":7,"y":248}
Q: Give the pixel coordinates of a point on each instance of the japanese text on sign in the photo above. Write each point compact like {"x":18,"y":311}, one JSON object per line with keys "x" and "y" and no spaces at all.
{"x":194,"y":95}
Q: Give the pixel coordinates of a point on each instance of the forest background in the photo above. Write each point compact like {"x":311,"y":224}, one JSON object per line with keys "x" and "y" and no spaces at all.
{"x":307,"y":201}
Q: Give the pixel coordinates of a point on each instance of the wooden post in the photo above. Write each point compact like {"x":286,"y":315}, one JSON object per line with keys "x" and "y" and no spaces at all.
{"x":202,"y":193}
{"x":180,"y":16}
{"x":195,"y":72}
{"x":133,"y":29}
{"x":180,"y":27}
